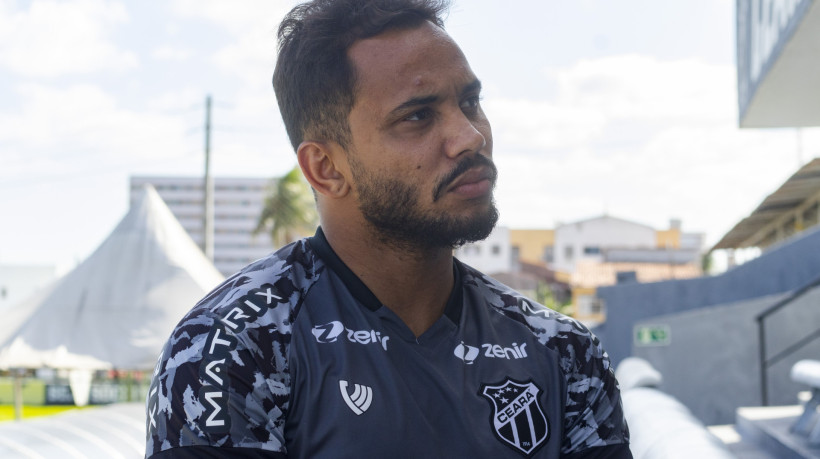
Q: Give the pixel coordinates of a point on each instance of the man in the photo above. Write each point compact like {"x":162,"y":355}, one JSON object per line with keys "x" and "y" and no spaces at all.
{"x":369,"y":339}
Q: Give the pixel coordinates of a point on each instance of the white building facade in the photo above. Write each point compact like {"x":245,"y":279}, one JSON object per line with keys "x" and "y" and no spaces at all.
{"x":490,"y":256}
{"x":238,"y":202}
{"x":589,"y":239}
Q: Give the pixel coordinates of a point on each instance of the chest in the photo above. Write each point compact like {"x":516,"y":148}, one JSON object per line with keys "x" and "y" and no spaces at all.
{"x":360,"y":388}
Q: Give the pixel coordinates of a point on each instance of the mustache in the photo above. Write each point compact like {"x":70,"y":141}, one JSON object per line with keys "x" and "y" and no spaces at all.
{"x":462,"y":167}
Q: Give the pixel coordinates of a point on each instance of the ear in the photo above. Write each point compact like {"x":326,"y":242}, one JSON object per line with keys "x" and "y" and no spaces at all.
{"x":323,"y":165}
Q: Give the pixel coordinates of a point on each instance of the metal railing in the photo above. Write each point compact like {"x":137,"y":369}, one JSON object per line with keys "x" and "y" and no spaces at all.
{"x":767,"y":362}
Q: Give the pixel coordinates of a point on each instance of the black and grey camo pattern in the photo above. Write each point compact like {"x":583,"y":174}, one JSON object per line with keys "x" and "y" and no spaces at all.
{"x":257,"y":355}
{"x":254,"y":346}
{"x":593,"y":414}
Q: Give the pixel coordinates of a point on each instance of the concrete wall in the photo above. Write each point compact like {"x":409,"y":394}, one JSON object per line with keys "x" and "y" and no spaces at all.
{"x":788,"y":266}
{"x":711,"y":362}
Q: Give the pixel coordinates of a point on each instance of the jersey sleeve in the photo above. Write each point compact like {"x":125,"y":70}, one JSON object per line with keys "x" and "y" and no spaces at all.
{"x":222,"y":381}
{"x":594,"y":419}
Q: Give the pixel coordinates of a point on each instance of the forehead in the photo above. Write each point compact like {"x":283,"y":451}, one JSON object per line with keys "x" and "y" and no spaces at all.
{"x":402,"y":63}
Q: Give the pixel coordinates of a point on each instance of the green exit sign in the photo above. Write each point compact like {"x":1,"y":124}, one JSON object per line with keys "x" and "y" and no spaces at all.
{"x":652,"y":335}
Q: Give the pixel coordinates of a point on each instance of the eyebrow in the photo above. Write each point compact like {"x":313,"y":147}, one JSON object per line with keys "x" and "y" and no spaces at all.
{"x":413,"y":102}
{"x":473,"y":86}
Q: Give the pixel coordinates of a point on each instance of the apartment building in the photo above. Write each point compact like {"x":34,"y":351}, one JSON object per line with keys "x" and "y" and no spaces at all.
{"x":490,"y":256}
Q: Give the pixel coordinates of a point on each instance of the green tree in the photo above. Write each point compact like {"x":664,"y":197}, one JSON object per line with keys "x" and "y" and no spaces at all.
{"x":706,"y":263}
{"x":545,"y":296}
{"x":289,"y":212}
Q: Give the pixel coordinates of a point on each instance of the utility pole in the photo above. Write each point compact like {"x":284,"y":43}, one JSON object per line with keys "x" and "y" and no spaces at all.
{"x":17,"y":388}
{"x":208,"y":201}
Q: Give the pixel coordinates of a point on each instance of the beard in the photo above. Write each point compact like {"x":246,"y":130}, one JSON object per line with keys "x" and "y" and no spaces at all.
{"x":393,"y":209}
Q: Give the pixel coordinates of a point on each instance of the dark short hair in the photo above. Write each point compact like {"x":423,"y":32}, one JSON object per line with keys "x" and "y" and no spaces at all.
{"x":313,"y":80}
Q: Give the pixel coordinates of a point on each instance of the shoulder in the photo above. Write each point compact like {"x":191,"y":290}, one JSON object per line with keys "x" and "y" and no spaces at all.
{"x":291,"y":269}
{"x":558,"y":332}
{"x":265,"y":294}
{"x":229,"y":356}
{"x":593,"y":412}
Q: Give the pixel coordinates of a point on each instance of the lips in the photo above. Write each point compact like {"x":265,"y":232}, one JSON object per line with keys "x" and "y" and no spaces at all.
{"x":472,"y":178}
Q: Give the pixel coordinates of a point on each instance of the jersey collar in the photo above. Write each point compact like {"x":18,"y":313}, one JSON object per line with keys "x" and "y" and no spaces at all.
{"x":363,"y":294}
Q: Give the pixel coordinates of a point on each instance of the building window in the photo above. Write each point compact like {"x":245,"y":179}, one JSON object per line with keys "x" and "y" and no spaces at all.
{"x":496,"y":249}
{"x":592,"y":250}
{"x":547,"y":256}
{"x":568,"y":252}
{"x":597,"y":306}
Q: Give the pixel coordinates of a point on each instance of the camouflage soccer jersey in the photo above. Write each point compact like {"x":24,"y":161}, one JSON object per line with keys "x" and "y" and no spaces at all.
{"x":295,"y":357}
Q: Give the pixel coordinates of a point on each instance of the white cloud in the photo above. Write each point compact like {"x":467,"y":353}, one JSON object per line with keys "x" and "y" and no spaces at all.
{"x":540,"y":124}
{"x":251,"y":131}
{"x":639,"y":138}
{"x":251,"y":57}
{"x":251,"y":54}
{"x":170,"y":53}
{"x":644,"y":87}
{"x":83,"y":121}
{"x":597,"y":96}
{"x":54,"y":38}
{"x":237,"y":18}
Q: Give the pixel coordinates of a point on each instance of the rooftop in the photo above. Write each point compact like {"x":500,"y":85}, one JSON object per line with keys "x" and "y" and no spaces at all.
{"x":795,"y":196}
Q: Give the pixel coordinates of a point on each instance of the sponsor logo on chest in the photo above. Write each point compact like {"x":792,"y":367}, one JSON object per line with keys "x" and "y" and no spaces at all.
{"x":330,"y":333}
{"x":469,"y":353}
{"x":359,"y":400}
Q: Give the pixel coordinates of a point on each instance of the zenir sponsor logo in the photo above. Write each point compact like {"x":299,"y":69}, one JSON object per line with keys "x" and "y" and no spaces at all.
{"x":330,"y":332}
{"x":359,"y":401}
{"x":517,"y":417}
{"x":466,"y":353}
{"x":469,"y":353}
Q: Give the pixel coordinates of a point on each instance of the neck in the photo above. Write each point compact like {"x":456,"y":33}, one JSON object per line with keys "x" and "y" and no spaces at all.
{"x":415,"y":283}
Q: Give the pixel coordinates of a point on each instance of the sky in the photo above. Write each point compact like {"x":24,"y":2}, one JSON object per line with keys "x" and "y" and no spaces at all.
{"x":623,"y":108}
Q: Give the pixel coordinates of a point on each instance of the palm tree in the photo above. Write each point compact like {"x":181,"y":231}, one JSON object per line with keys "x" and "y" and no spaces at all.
{"x":289,"y":212}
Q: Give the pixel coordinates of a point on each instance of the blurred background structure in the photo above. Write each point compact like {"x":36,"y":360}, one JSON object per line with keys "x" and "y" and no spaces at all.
{"x":658,"y":181}
{"x":113,"y":312}
{"x":238,"y":202}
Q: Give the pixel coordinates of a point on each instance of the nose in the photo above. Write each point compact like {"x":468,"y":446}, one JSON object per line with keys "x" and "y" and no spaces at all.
{"x":466,"y":135}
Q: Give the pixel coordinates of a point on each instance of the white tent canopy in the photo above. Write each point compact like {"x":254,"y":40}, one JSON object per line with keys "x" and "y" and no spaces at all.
{"x":117,"y":308}
{"x":15,"y":315}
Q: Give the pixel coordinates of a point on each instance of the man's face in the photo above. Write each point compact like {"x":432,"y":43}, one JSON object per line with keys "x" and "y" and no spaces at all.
{"x":421,"y":145}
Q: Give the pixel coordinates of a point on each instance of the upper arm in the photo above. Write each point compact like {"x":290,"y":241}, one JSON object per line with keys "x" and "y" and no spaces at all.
{"x":221,"y":383}
{"x":594,"y":414}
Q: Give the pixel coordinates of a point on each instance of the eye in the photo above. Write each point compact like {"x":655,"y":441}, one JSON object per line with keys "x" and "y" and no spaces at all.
{"x":471,"y":104}
{"x":420,"y":115}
